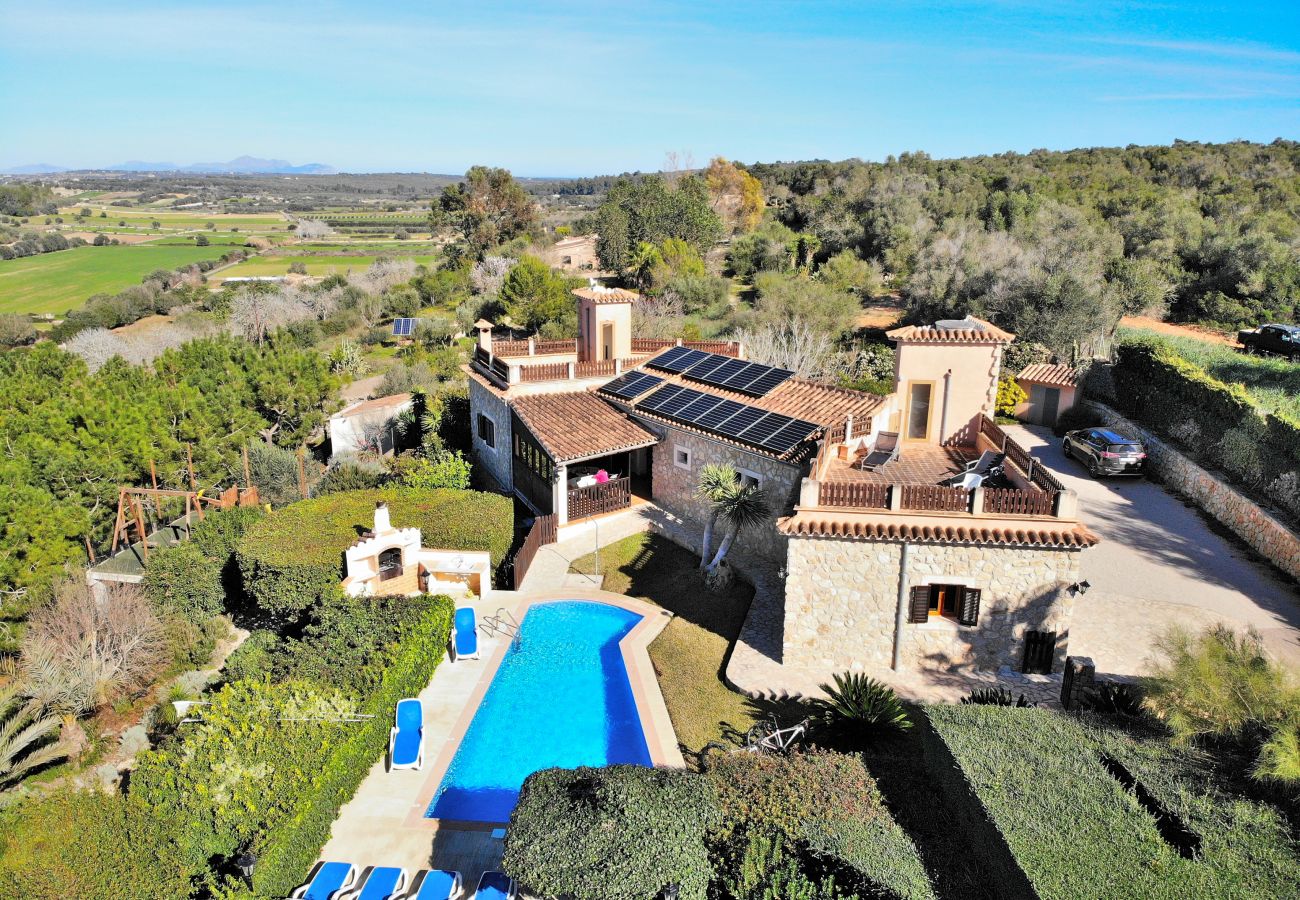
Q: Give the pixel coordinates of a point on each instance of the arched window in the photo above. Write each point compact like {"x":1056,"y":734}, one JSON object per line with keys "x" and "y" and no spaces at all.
{"x":390,"y":563}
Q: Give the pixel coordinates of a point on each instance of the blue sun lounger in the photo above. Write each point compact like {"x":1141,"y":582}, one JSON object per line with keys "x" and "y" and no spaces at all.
{"x":464,"y":634}
{"x":382,"y":883}
{"x":327,"y":882}
{"x":496,"y":886}
{"x":406,"y":739}
{"x":439,"y":884}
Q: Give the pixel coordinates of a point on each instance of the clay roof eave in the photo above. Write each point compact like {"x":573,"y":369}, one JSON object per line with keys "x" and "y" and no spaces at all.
{"x":1036,"y":532}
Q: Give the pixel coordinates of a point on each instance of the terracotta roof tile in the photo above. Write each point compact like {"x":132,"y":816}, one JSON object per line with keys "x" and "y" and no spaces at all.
{"x":607,"y":295}
{"x":854,"y":525}
{"x":979,"y":332}
{"x":579,"y":425}
{"x":1046,"y":373}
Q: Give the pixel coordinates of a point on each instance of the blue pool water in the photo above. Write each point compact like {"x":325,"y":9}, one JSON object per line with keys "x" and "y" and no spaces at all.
{"x":561,"y":698}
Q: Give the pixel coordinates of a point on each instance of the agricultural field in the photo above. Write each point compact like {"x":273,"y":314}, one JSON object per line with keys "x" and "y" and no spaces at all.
{"x":58,"y":282}
{"x":225,"y":238}
{"x":167,"y":219}
{"x":315,"y":265}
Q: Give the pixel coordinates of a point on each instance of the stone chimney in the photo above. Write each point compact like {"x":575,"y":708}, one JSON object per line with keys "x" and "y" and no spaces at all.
{"x":382,"y":523}
{"x":484,"y":329}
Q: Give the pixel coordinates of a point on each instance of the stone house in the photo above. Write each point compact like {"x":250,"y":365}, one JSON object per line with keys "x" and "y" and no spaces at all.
{"x":1049,"y":391}
{"x":892,"y":566}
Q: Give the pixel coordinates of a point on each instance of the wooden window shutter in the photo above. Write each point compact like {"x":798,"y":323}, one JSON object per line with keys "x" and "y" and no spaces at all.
{"x":920,"y":607}
{"x":970,"y":606}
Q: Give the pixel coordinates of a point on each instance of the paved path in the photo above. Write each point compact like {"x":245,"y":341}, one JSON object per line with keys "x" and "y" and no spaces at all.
{"x":1160,"y":563}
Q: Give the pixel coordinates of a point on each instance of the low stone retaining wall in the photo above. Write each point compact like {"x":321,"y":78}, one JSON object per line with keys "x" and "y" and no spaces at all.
{"x":1242,"y":515}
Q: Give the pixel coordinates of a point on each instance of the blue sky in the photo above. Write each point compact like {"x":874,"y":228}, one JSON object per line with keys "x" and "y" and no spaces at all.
{"x":580,"y":88}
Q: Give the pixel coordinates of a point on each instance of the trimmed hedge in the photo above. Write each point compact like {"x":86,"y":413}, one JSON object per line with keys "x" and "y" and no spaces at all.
{"x":749,"y":823}
{"x":294,"y":557}
{"x":619,"y":833}
{"x":287,"y":853}
{"x":1161,"y":389}
{"x":1070,"y":828}
{"x":191,"y":579}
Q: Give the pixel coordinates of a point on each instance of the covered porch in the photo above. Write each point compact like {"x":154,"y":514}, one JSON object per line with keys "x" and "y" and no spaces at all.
{"x":576,"y":456}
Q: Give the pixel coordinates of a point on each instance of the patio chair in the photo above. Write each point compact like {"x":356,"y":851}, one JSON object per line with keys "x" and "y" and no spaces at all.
{"x":328,"y":881}
{"x":884,"y":450}
{"x":381,"y":883}
{"x":976,"y":472}
{"x":406,"y":739}
{"x":496,"y":886}
{"x":437,"y":884}
{"x":464,"y":635}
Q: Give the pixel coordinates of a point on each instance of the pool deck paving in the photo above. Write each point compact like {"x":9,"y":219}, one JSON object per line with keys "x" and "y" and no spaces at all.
{"x":384,"y":822}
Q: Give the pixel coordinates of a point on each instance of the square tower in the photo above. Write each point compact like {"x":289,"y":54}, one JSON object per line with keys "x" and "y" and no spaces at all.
{"x":604,"y":322}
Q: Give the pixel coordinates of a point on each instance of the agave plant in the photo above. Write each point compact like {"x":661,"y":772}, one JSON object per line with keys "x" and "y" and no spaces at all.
{"x":995,"y":697}
{"x":1116,"y":698}
{"x":861,"y":705}
{"x":25,"y":734}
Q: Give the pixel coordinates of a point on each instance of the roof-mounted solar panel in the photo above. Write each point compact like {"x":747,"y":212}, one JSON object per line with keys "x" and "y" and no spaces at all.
{"x":705,"y":368}
{"x":632,"y":385}
{"x":677,"y":359}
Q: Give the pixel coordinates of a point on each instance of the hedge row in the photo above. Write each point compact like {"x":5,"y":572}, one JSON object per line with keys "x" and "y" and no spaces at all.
{"x":1071,"y":828}
{"x":812,"y":824}
{"x":1180,"y":400}
{"x":294,"y":557}
{"x":287,"y":853}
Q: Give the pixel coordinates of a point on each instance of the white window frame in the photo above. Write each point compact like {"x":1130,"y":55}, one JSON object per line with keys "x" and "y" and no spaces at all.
{"x":748,"y":475}
{"x":678,"y":452}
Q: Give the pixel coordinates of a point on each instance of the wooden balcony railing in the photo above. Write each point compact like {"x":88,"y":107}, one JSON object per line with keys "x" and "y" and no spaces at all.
{"x":544,"y":372}
{"x":1013,"y":502}
{"x":597,"y":499}
{"x":845,"y":493}
{"x":934,"y":498}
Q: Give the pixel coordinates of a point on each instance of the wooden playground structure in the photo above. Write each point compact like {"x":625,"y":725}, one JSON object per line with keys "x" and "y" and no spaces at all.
{"x":133,"y":501}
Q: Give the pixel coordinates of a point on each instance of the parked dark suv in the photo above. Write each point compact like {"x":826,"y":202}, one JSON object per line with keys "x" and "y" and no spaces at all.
{"x":1105,"y":452}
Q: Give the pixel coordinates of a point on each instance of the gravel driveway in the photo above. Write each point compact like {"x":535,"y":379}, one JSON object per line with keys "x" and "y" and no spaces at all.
{"x":1160,"y":564}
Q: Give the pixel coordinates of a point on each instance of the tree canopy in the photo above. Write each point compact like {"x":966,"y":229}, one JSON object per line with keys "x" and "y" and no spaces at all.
{"x":488,"y":208}
{"x":649,"y":210}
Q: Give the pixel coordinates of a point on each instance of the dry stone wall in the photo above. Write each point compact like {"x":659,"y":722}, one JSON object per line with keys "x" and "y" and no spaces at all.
{"x":1242,"y":515}
{"x":842,"y":596}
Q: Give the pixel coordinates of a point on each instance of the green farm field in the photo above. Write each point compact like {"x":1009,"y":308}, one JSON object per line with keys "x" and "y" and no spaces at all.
{"x":315,"y":265}
{"x":58,"y":282}
{"x":180,"y":220}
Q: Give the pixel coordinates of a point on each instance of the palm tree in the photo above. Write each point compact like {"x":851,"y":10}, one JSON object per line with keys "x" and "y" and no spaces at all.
{"x":24,"y":734}
{"x":715,"y":481}
{"x":740,"y":508}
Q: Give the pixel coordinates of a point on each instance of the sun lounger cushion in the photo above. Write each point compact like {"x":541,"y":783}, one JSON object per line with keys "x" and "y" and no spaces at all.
{"x":328,"y":880}
{"x":466,"y":632}
{"x":409,"y":734}
{"x":383,"y":883}
{"x":495,"y":886}
{"x":439,"y":885}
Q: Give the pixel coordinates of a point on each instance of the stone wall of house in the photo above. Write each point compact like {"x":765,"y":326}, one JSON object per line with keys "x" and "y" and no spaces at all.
{"x":495,"y":461}
{"x":842,"y":601}
{"x":674,"y":486}
{"x":1239,"y":513}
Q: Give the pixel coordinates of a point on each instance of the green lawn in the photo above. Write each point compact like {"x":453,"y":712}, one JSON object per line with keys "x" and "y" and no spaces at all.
{"x":315,"y":265}
{"x":58,"y":282}
{"x":691,"y":654}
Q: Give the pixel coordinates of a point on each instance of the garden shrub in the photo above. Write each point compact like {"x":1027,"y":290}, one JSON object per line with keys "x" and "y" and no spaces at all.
{"x":73,"y":843}
{"x":620,"y":833}
{"x":1066,"y":827}
{"x":253,"y":658}
{"x":293,"y":558}
{"x":185,"y":581}
{"x":827,"y":806}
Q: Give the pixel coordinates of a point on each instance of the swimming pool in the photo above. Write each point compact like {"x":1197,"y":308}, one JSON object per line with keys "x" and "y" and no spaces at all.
{"x":561,"y":697}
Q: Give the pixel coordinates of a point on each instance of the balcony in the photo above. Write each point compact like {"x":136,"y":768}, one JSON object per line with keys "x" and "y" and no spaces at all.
{"x":533,"y":361}
{"x":913,"y":483}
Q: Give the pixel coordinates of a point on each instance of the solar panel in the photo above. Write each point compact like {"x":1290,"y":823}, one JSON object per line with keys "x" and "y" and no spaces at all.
{"x":748,"y":424}
{"x":677,"y":359}
{"x":403,"y":327}
{"x":632,"y":384}
{"x":754,"y":379}
{"x":703,"y":369}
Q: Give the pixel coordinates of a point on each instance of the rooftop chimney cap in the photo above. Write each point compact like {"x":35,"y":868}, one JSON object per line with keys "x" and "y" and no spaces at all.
{"x":483,"y":325}
{"x":966,"y":324}
{"x":381,"y":504}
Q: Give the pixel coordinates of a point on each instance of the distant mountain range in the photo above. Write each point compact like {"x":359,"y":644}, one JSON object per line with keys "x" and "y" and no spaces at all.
{"x":243,"y":165}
